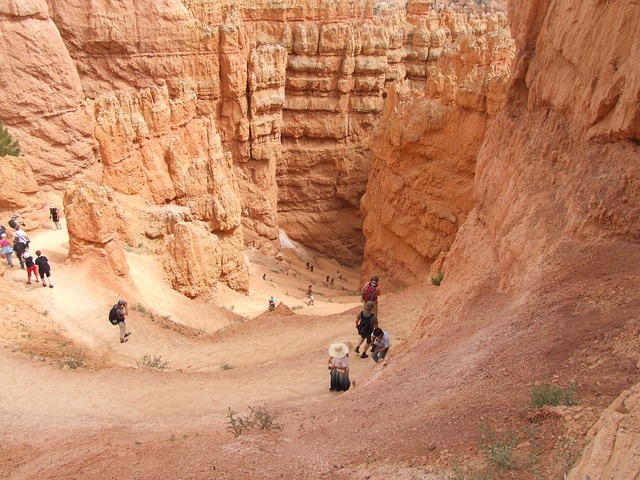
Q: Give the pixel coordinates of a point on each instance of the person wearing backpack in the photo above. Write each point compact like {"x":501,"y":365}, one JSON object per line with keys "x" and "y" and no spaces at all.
{"x":31,"y":266}
{"x":55,"y":216}
{"x":366,"y":321}
{"x":43,"y":268}
{"x":371,"y":292}
{"x":117,"y":316}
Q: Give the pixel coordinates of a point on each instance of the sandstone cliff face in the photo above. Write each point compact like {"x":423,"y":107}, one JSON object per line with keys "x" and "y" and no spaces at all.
{"x":426,"y":144}
{"x":557,"y":193}
{"x":253,"y":116}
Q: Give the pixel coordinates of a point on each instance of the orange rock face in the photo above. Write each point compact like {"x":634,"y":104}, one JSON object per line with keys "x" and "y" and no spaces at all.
{"x":255,"y":118}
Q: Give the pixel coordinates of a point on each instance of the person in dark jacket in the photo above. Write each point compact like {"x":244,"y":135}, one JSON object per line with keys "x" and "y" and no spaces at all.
{"x":44,"y":269}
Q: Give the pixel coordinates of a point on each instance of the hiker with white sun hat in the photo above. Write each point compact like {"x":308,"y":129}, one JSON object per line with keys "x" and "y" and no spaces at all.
{"x":339,"y":367}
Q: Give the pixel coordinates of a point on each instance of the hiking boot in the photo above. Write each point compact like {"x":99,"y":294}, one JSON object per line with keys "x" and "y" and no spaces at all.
{"x":28,"y":283}
{"x":357,"y":350}
{"x":51,"y":285}
{"x":364,"y":355}
{"x":122,"y":340}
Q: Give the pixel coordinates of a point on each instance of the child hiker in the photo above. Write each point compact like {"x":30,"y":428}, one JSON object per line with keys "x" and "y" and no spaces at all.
{"x":31,"y":266}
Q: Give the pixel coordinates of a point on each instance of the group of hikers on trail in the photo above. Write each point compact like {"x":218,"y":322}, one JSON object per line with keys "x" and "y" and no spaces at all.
{"x":370,"y":334}
{"x":20,"y":246}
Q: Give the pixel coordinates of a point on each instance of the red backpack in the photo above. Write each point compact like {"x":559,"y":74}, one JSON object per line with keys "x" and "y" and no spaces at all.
{"x":370,"y":292}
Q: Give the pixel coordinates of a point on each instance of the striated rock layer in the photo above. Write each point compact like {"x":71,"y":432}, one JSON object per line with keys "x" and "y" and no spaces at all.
{"x":158,"y":101}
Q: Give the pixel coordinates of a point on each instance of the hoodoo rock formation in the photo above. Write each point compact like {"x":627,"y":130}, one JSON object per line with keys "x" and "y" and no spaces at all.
{"x":147,"y":100}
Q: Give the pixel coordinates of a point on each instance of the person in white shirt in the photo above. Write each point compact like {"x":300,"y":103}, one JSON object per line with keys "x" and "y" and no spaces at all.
{"x":380,"y":344}
{"x":339,"y":367}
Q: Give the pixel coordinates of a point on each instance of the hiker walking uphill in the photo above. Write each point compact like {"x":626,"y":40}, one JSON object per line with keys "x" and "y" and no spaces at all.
{"x":55,"y":216}
{"x":371,"y":292}
{"x":117,"y":316}
{"x":366,"y":322}
{"x":44,"y":269}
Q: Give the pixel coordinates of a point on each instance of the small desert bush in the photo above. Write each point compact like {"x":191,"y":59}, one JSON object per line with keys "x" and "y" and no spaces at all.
{"x":553,"y":395}
{"x":226,"y":366}
{"x":264,"y":420}
{"x":152,"y":362}
{"x":258,"y":417}
{"x":437,"y":278}
{"x":73,"y":361}
{"x":296,"y":307}
{"x":142,"y":309}
{"x":498,"y":448}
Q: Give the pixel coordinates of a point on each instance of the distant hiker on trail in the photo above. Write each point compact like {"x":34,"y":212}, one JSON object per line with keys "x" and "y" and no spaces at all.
{"x":43,"y":268}
{"x":264,"y":276}
{"x":311,"y":268}
{"x":331,"y":282}
{"x":7,"y":249}
{"x":371,"y":292}
{"x":309,"y":290}
{"x":308,"y":266}
{"x":339,"y":367}
{"x":18,"y":248}
{"x":272,"y":303}
{"x":31,"y":266}
{"x":311,"y":300}
{"x":55,"y":216}
{"x":366,"y":322}
{"x":14,"y":222}
{"x":327,"y":279}
{"x":381,"y":344}
{"x":121,"y":311}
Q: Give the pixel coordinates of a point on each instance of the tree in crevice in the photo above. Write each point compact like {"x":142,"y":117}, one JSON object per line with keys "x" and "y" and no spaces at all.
{"x":8,"y":146}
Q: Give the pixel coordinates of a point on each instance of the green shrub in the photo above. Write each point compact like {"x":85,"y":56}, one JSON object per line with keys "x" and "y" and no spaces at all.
{"x":155,"y":362}
{"x":498,"y":448}
{"x":226,"y":366}
{"x":437,"y":278}
{"x":259,"y":417}
{"x":264,"y":419}
{"x":8,"y":146}
{"x":553,"y":395}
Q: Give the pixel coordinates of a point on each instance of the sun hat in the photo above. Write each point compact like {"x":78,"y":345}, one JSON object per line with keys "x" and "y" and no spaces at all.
{"x":15,"y":215}
{"x":338,"y":350}
{"x":369,"y":305}
{"x":4,"y":235}
{"x":122,"y":301}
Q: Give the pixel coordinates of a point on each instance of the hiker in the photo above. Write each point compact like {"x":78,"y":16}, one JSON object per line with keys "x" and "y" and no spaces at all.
{"x":7,"y":249}
{"x":264,"y":277}
{"x":122,"y":311}
{"x":339,"y":367}
{"x":43,"y":268}
{"x":311,"y":300}
{"x":308,"y":265}
{"x":20,"y":236}
{"x":19,"y":248}
{"x":31,"y":266}
{"x":327,"y":279}
{"x":55,"y":216}
{"x":311,"y":268}
{"x":272,"y":303}
{"x":366,"y":322}
{"x":331,"y":282}
{"x":381,"y":342}
{"x":14,"y":222}
{"x":371,"y":292}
